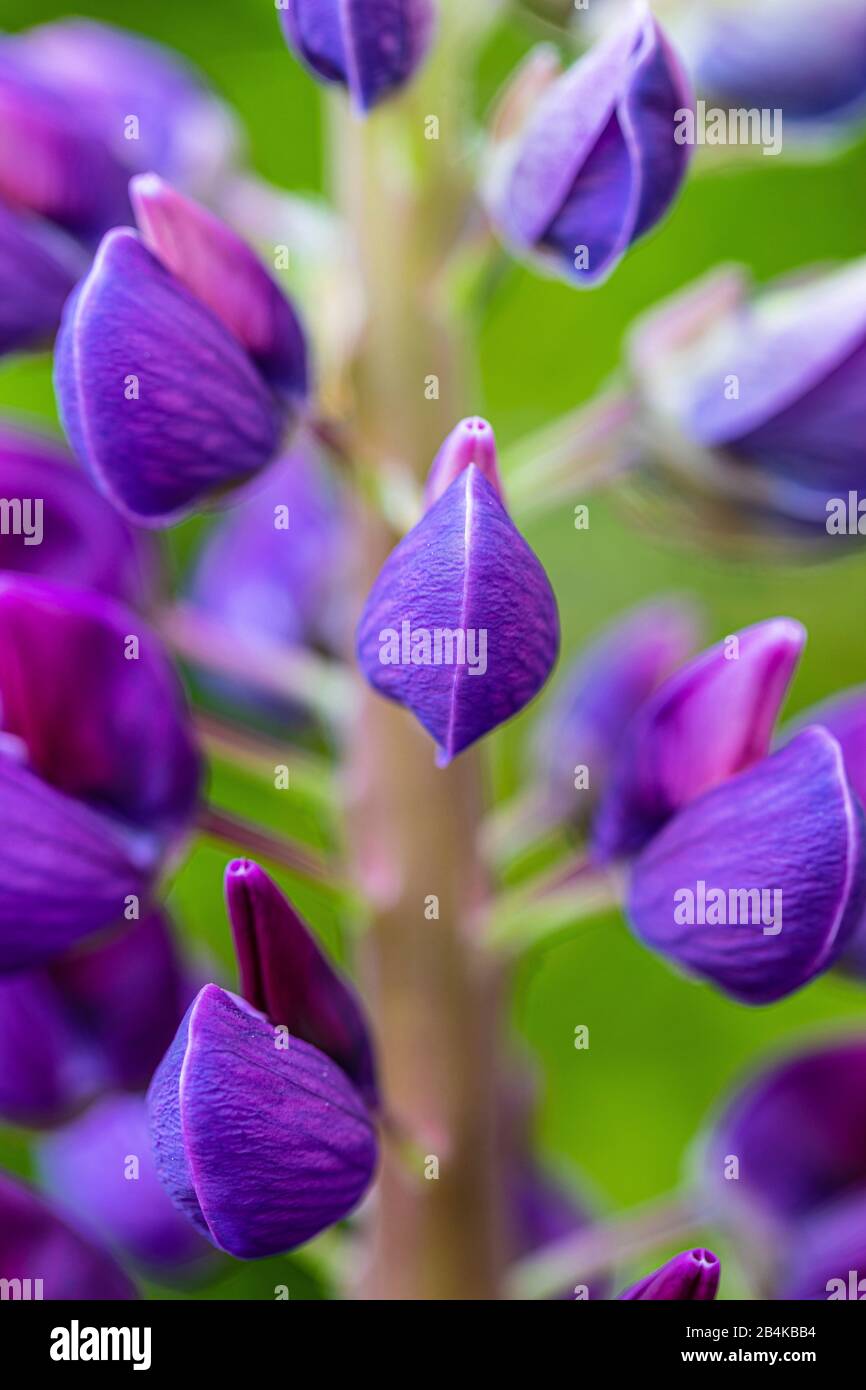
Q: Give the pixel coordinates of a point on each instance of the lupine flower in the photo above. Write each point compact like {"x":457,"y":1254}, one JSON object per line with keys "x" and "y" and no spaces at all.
{"x":261,"y":1126}
{"x":74,"y":537}
{"x":100,"y":1171}
{"x":39,"y":267}
{"x":85,"y":105}
{"x":691,"y":1277}
{"x":584,"y":169}
{"x":461,"y":626}
{"x":36,"y":1244}
{"x":97,"y":1019}
{"x":583,"y":722}
{"x":784,"y":1166}
{"x":759,"y":400}
{"x":180,"y":365}
{"x":371,"y":47}
{"x":99,"y":775}
{"x":749,"y":868}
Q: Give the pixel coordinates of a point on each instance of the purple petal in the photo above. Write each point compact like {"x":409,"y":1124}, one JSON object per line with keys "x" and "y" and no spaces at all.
{"x":36,"y":1244}
{"x":98,"y":725}
{"x":372,"y":47}
{"x":844,"y":716}
{"x":39,"y":267}
{"x":602,"y":692}
{"x":798,"y":1129}
{"x":221,"y":271}
{"x":262,"y":1146}
{"x":692,"y":1276}
{"x":160,"y":402}
{"x":286,"y":977}
{"x":788,"y":834}
{"x":42,"y":1082}
{"x":84,"y":542}
{"x":827,"y":1259}
{"x":713,"y":718}
{"x":100,"y":1170}
{"x":472,"y":441}
{"x":466,"y":571}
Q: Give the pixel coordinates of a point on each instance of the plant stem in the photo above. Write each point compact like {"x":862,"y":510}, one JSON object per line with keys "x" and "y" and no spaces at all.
{"x":241,"y":834}
{"x":414,"y":827}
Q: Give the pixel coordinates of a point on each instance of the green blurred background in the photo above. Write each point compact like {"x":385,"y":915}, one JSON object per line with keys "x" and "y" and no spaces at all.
{"x":624,"y":1113}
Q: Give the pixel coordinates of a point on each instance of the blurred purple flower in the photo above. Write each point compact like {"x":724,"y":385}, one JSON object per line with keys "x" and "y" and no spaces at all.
{"x":82,"y":540}
{"x":692,"y":1276}
{"x":100,"y":1170}
{"x":180,"y":364}
{"x":36,"y":1244}
{"x":39,"y":267}
{"x":260,"y":1137}
{"x":371,"y":47}
{"x":99,"y":776}
{"x":461,"y":625}
{"x":784,"y":1165}
{"x":750,"y":869}
{"x":97,"y":1019}
{"x":586,"y":163}
{"x":759,"y":400}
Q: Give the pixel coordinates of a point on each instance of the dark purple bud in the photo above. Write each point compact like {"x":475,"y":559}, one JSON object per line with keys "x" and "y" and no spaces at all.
{"x":759,"y":884}
{"x":266,"y":1142}
{"x":593,"y":164}
{"x":99,"y":775}
{"x":596,"y":700}
{"x":100,"y":1171}
{"x":472,"y":441}
{"x":69,"y":534}
{"x":39,"y":268}
{"x":711,"y":719}
{"x":461,"y":626}
{"x":37,"y":1246}
{"x":692,"y":1277}
{"x":286,"y":977}
{"x":371,"y":47}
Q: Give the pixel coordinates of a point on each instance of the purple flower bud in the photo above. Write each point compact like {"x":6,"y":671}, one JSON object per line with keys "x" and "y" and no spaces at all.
{"x":174,"y":384}
{"x":36,"y":1245}
{"x":100,"y":1170}
{"x":371,"y":47}
{"x":759,"y":884}
{"x":39,"y":267}
{"x":594,"y":164}
{"x":99,"y":775}
{"x":70,"y":535}
{"x":692,"y":1276}
{"x":711,"y":719}
{"x":286,"y":977}
{"x":599,"y":696}
{"x":461,"y":626}
{"x":262,"y":1144}
{"x":760,"y":399}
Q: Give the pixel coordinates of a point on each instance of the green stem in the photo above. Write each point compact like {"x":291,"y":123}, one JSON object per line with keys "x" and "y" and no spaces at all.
{"x":556,"y":900}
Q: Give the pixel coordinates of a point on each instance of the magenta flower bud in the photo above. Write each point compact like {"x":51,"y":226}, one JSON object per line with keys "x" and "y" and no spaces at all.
{"x":593,"y":164}
{"x":191,"y":329}
{"x":472,"y":441}
{"x":692,"y":1277}
{"x":39,"y":268}
{"x":461,"y":626}
{"x":48,"y":1257}
{"x":371,"y":47}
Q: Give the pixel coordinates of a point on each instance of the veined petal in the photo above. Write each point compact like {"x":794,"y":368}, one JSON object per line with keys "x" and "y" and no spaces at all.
{"x":160,"y":402}
{"x":759,"y":884}
{"x":711,"y":719}
{"x":464,"y":573}
{"x":221,"y":271}
{"x":263,"y":1146}
{"x":36,"y":1244}
{"x":692,"y":1276}
{"x":285,"y":975}
{"x":39,"y":267}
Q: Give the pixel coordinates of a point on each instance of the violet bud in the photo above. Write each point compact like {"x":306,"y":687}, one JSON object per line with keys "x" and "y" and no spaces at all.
{"x":99,"y":775}
{"x":461,"y":626}
{"x":189,"y":323}
{"x":371,"y":47}
{"x":39,"y":268}
{"x":591,"y":165}
{"x":49,"y":1258}
{"x":757,"y":399}
{"x":692,"y":1276}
